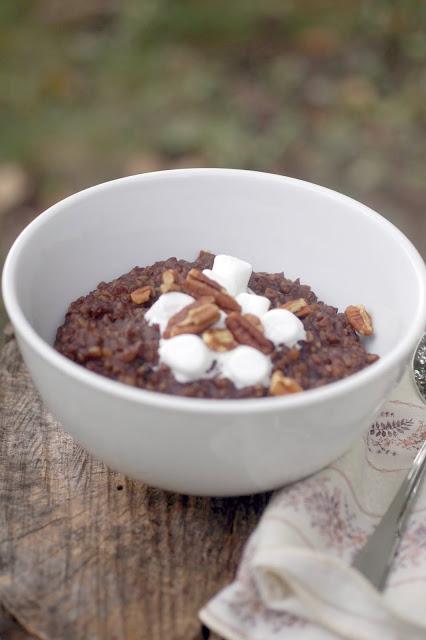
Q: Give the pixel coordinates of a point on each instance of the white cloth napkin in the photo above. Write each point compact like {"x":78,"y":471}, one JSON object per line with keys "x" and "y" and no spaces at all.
{"x":295,"y":580}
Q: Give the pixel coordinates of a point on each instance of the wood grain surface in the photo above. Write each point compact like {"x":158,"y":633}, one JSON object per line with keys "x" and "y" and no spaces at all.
{"x":86,"y":553}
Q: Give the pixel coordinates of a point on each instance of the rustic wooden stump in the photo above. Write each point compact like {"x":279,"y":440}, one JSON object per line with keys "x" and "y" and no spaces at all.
{"x":86,"y":553}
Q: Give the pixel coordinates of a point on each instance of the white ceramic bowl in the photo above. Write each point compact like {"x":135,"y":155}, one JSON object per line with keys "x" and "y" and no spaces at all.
{"x":345,"y":251}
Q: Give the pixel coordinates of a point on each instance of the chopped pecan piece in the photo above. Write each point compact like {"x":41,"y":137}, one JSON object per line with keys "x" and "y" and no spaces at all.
{"x":359,"y":319}
{"x":282,"y":386}
{"x":194,"y":318}
{"x":245,"y":332}
{"x":299,"y":307}
{"x":94,"y":352}
{"x":219,"y":339}
{"x":170,"y":282}
{"x":197,"y":284}
{"x":141,"y":295}
{"x":372,"y":357}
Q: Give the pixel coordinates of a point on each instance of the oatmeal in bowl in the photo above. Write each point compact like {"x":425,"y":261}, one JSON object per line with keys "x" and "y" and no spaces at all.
{"x":199,"y":374}
{"x":213,"y":328}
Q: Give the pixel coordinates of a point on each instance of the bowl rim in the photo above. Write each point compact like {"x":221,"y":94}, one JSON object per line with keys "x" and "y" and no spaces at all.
{"x":205,"y":405}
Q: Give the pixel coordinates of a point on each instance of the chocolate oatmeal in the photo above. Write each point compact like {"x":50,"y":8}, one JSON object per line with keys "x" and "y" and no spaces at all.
{"x":210,"y":335}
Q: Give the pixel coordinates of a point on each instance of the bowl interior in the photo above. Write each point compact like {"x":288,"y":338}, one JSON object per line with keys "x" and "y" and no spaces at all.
{"x":347,"y":253}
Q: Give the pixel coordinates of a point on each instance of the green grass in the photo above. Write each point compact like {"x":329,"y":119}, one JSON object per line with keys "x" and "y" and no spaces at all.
{"x":331,"y":92}
{"x":243,"y":83}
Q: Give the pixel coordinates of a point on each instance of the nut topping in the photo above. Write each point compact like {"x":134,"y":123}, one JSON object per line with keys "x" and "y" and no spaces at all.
{"x":197,"y":284}
{"x":299,"y":307}
{"x":219,"y":340}
{"x":255,"y":320}
{"x":359,"y":319}
{"x":194,"y":318}
{"x":170,"y":282}
{"x":94,"y":352}
{"x":245,"y":332}
{"x":141,"y":295}
{"x":282,"y":386}
{"x":372,"y":357}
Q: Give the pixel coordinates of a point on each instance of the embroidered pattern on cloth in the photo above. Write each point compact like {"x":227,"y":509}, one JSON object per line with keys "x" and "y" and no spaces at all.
{"x":333,"y":512}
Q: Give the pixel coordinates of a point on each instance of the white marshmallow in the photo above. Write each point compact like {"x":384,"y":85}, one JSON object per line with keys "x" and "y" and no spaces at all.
{"x":283,"y":327}
{"x":187,"y":356}
{"x":245,"y":366}
{"x":166,"y":306}
{"x":220,"y":280}
{"x":252,"y":303}
{"x":236,"y":272}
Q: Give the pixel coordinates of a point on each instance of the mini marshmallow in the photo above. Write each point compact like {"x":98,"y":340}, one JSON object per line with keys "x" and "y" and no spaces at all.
{"x":252,"y":303}
{"x":187,"y":356}
{"x":245,"y":366}
{"x":166,"y":306}
{"x":220,"y":280}
{"x":283,"y":327}
{"x":236,"y":272}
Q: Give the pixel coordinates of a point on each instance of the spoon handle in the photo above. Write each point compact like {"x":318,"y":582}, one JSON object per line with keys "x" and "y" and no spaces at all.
{"x":375,"y":558}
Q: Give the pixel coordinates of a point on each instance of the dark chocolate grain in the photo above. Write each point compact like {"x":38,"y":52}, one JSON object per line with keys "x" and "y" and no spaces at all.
{"x":107,"y":333}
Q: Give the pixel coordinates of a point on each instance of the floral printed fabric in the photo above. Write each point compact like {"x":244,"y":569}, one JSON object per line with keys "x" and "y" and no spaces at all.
{"x":295,"y":581}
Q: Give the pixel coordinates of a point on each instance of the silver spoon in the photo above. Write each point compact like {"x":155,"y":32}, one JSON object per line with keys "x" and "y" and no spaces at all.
{"x":419,"y":368}
{"x":375,"y":558}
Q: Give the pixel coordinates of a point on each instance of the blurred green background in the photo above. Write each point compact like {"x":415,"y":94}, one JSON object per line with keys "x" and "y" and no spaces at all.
{"x":332,"y":92}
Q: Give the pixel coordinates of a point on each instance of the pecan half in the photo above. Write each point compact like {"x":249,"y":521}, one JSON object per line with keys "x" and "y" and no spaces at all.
{"x":197,"y":284}
{"x":141,"y":295}
{"x":194,"y":318}
{"x":255,"y":320}
{"x":282,"y":386}
{"x":299,"y":307}
{"x":245,"y":332}
{"x":170,"y":282}
{"x":359,"y":319}
{"x":219,"y":339}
